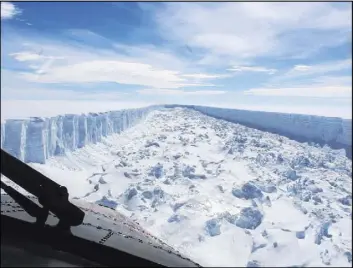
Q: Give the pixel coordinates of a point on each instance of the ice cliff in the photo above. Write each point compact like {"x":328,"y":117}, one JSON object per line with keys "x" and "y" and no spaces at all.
{"x":36,"y":139}
{"x":332,"y":131}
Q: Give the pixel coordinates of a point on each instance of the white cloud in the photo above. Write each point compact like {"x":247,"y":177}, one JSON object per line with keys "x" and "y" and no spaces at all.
{"x":231,"y":34}
{"x":304,"y":91}
{"x":160,"y":56}
{"x":246,"y":30}
{"x":121,"y":72}
{"x":13,"y":88}
{"x":8,"y":10}
{"x":206,"y":76}
{"x":310,"y":72}
{"x":252,"y":69}
{"x":31,"y":56}
{"x":62,"y":62}
{"x":301,"y":68}
{"x":323,"y":68}
{"x":42,"y":63}
{"x":156,"y":91}
{"x":26,"y":56}
{"x":333,"y":80}
{"x":38,"y":93}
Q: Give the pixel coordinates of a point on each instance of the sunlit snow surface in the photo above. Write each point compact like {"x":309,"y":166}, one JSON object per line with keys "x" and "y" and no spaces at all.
{"x":220,"y":193}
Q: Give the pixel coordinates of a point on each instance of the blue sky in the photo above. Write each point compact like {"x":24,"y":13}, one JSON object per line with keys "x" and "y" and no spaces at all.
{"x":265,"y":56}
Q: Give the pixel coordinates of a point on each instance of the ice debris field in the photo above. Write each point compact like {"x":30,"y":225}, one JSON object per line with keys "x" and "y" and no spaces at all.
{"x":224,"y":187}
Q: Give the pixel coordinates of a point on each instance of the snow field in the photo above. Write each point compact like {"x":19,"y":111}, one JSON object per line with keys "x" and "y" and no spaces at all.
{"x":221,"y":193}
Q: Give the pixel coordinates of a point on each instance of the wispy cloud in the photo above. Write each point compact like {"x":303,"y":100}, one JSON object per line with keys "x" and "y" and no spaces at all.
{"x":31,"y":56}
{"x":305,"y":91}
{"x":345,"y":80}
{"x":64,"y":63}
{"x":301,"y":68}
{"x":322,"y":68}
{"x":310,"y":81}
{"x":248,"y":30}
{"x":252,"y":69}
{"x":230,"y":52}
{"x":160,"y":56}
{"x":206,"y":76}
{"x":13,"y":88}
{"x":35,"y":93}
{"x":8,"y":10}
{"x":156,"y":91}
{"x":121,"y":72}
{"x":310,"y":73}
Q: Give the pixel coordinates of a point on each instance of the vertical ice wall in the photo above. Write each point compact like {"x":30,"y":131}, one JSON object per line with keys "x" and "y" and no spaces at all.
{"x":70,"y":132}
{"x":99,"y":127}
{"x":107,"y":125}
{"x":15,"y":137}
{"x":50,"y":136}
{"x":91,"y":129}
{"x":2,"y":133}
{"x":59,"y":145}
{"x":115,"y":118}
{"x":82,"y":130}
{"x":36,"y":139}
{"x":335,"y":132}
{"x":35,"y":142}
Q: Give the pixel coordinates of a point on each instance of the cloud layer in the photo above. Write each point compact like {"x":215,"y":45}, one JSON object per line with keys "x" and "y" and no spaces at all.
{"x":229,"y":52}
{"x":8,"y":11}
{"x":248,"y":30}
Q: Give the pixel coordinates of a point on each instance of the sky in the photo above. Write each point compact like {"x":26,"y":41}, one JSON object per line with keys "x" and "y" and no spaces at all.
{"x":287,"y":57}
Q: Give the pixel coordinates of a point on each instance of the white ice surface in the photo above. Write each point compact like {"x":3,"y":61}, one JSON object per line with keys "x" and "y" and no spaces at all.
{"x":178,"y":173}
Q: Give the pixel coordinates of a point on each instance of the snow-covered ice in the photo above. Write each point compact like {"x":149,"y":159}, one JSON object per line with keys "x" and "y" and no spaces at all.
{"x":221,"y":193}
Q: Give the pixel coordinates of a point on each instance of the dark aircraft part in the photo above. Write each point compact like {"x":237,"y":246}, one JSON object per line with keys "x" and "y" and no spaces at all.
{"x":52,"y":196}
{"x":105,"y":237}
{"x":93,"y":235}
